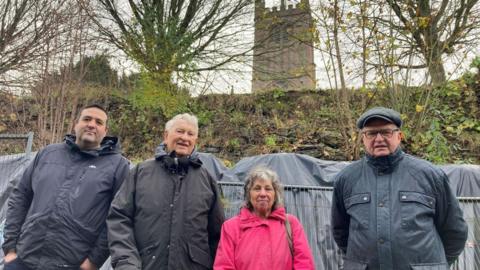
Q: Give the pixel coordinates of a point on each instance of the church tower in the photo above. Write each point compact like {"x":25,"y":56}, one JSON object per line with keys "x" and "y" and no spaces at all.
{"x":283,"y":52}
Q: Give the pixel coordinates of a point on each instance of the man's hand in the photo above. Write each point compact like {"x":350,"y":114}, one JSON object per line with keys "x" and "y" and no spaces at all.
{"x":87,"y":265}
{"x":11,"y":255}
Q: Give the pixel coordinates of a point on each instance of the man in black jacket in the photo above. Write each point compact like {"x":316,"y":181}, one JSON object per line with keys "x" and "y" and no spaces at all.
{"x":56,"y":214}
{"x":391,"y":210}
{"x":168,"y":214}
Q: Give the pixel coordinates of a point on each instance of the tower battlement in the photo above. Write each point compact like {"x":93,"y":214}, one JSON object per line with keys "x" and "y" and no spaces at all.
{"x":283,"y":52}
{"x":282,"y":6}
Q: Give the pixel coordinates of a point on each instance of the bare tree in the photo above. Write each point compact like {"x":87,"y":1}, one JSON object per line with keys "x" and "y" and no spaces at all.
{"x":166,"y":37}
{"x":436,"y":28}
{"x":25,"y":27}
{"x":50,"y":83}
{"x":334,"y":46}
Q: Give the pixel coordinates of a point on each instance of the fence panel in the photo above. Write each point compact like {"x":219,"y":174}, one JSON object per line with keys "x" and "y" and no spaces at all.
{"x":15,"y":149}
{"x":470,"y":257}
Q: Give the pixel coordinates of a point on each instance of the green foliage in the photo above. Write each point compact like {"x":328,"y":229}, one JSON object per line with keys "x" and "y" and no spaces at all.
{"x":275,"y":101}
{"x":432,"y":144}
{"x":271,"y":140}
{"x":277,"y":93}
{"x":233,"y":144}
{"x":475,"y":62}
{"x":143,"y":111}
{"x":96,"y":70}
{"x":451,"y":120}
{"x":237,"y":118}
{"x":473,"y":77}
{"x":204,"y":117}
{"x":139,"y":130}
{"x":156,"y":95}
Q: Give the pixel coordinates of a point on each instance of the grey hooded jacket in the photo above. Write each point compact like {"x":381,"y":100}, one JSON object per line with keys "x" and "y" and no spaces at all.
{"x":396,"y":212}
{"x":56,"y":214}
{"x":167,"y":215}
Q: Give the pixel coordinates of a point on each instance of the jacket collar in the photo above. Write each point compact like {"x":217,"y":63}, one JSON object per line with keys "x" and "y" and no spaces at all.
{"x":386,"y":164}
{"x":175,"y":164}
{"x":109,"y":145}
{"x":248,"y":219}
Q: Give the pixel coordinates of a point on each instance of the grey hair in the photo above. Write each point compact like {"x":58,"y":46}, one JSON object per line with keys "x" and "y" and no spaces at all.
{"x":262,"y":172}
{"x":190,"y":118}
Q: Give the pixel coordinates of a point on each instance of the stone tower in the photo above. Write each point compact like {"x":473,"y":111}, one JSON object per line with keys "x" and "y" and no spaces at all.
{"x":283,"y":53}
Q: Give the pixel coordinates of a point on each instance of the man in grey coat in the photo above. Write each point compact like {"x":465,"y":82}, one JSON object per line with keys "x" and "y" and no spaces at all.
{"x":391,"y":210}
{"x":56,"y":214}
{"x":168,"y":213}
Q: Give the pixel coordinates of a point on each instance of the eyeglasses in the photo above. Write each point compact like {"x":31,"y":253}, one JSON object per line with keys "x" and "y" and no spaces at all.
{"x":385,"y":133}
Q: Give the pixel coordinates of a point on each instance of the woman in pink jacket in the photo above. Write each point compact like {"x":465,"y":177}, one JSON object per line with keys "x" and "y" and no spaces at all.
{"x":261,"y":236}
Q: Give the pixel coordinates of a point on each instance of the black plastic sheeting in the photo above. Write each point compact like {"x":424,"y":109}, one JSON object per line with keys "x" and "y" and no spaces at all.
{"x":308,"y":183}
{"x":293,"y":169}
{"x":298,"y":169}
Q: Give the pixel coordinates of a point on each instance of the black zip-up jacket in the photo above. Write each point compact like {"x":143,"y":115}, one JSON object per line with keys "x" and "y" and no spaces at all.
{"x":56,"y":214}
{"x":167,"y":215}
{"x":396,"y":212}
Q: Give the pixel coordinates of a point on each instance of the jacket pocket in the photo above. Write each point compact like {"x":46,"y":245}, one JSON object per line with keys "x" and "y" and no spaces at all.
{"x":349,"y":264}
{"x":124,"y":264}
{"x":200,"y":256}
{"x":148,"y":256}
{"x":417,"y":210}
{"x":430,"y":266}
{"x":358,"y":207}
{"x":65,"y":266}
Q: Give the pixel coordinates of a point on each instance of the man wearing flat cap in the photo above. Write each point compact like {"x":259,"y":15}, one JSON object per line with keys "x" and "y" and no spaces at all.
{"x":391,"y":210}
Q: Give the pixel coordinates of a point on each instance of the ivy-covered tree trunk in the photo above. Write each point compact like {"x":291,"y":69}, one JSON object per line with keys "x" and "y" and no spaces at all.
{"x":435,"y":66}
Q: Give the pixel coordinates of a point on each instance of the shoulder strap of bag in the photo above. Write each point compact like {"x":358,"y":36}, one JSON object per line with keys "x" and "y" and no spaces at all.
{"x":288,"y":228}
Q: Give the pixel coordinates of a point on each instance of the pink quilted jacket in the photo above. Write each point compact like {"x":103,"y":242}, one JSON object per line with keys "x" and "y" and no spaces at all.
{"x":248,"y":242}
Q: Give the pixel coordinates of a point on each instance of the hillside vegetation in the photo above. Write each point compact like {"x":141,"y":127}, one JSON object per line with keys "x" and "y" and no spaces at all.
{"x":441,"y":124}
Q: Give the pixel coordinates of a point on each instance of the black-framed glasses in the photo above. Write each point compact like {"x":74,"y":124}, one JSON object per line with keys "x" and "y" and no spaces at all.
{"x":385,"y":133}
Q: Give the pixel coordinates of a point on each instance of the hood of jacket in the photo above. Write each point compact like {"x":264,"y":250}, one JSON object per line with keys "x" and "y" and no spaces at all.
{"x":109,"y":145}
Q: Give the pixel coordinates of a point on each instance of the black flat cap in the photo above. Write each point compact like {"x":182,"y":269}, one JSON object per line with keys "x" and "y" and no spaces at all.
{"x":386,"y":114}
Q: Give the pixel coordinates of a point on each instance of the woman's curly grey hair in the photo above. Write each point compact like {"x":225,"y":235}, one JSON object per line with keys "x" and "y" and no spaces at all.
{"x":262,"y":172}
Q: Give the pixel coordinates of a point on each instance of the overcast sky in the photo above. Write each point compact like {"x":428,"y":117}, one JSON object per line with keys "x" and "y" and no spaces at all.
{"x":239,"y":79}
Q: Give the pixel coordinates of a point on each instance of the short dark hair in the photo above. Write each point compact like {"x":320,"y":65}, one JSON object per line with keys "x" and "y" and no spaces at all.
{"x":96,"y":106}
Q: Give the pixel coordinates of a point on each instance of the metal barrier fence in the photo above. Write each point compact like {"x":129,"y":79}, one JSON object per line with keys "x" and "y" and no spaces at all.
{"x":470,"y":258}
{"x":312,"y":207}
{"x":16,"y":144}
{"x":15,"y":149}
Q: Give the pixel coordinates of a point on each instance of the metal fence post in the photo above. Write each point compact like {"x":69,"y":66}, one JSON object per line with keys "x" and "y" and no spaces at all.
{"x":28,"y":149}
